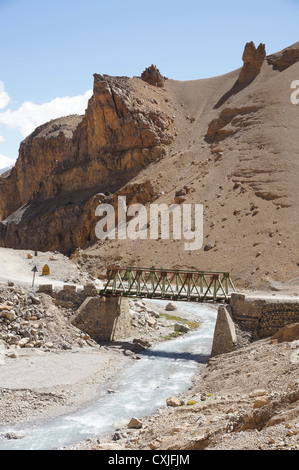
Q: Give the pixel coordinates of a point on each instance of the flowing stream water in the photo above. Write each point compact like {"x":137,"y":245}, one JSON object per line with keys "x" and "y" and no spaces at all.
{"x":164,"y":370}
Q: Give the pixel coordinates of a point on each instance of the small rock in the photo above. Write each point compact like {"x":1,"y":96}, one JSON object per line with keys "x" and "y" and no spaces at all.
{"x":9,"y":315}
{"x":174,"y":401}
{"x":170,"y":307}
{"x":152,"y":322}
{"x":208,"y":247}
{"x":35,"y":299}
{"x":180,"y":199}
{"x":13,"y":435}
{"x":181,"y":327}
{"x":118,"y":435}
{"x":143,"y":342}
{"x":154,"y":445}
{"x":260,"y":402}
{"x":135,"y":423}
{"x":23,"y":341}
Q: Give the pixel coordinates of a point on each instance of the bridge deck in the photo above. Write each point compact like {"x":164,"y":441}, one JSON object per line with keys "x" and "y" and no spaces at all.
{"x":194,"y":286}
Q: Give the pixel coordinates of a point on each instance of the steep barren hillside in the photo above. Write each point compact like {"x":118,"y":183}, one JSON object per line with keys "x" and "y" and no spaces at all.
{"x":49,"y":199}
{"x":228,"y":142}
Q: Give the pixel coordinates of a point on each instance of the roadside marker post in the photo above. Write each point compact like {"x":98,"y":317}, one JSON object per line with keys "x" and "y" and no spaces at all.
{"x":34,"y":270}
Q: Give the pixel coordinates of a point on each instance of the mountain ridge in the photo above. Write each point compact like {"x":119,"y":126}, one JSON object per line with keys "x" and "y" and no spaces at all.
{"x":228,"y":142}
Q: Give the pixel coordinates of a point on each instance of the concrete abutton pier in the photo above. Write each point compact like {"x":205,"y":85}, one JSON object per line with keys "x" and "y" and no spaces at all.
{"x":104,"y":318}
{"x":225,"y":338}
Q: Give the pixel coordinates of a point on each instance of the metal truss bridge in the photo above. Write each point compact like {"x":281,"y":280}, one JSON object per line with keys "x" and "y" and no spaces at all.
{"x":195,"y":286}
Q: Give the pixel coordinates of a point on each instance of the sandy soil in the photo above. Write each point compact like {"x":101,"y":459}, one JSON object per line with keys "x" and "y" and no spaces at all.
{"x":44,"y":384}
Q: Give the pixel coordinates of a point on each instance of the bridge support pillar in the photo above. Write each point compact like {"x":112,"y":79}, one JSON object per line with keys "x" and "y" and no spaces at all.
{"x":225,"y":338}
{"x":104,"y":318}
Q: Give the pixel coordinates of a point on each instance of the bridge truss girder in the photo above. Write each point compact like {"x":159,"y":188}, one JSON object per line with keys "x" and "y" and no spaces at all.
{"x":196,"y":286}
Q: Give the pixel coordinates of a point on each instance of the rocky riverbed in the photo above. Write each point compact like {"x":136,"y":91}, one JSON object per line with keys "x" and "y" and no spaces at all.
{"x":244,"y":400}
{"x":49,"y":367}
{"x":247,"y":399}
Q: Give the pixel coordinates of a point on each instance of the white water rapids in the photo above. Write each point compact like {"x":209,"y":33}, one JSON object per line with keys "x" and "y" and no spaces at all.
{"x":164,"y":370}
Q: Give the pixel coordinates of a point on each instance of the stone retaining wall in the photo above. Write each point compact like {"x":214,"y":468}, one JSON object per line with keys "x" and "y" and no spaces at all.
{"x":263,"y":317}
{"x":69,"y":295}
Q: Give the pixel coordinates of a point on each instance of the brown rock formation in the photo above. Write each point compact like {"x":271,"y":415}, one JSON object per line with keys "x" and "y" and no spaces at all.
{"x":253,"y":59}
{"x":285,"y":58}
{"x":229,"y":122}
{"x":39,"y":155}
{"x":153,"y":76}
{"x":65,"y":163}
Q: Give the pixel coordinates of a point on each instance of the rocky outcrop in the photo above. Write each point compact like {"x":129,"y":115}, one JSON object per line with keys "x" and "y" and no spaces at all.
{"x":229,"y":122}
{"x":285,"y":58}
{"x":49,"y":200}
{"x":253,"y":59}
{"x":119,"y":134}
{"x":153,"y":76}
{"x":39,"y":155}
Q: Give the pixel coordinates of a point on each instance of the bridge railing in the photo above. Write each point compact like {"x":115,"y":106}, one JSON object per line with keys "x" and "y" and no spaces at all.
{"x":172,"y":284}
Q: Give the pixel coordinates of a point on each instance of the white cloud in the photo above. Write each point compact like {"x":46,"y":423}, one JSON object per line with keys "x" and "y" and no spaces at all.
{"x":30,"y":115}
{"x":2,"y":138}
{"x":5,"y":162}
{"x":4,"y":97}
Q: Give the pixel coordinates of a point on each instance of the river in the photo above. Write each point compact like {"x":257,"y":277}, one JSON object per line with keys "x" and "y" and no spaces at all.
{"x":164,"y":370}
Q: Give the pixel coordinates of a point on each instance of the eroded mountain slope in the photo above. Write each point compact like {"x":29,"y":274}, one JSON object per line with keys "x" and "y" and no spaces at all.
{"x":228,"y":142}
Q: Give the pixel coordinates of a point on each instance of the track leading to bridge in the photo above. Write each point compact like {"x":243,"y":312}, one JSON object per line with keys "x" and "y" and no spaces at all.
{"x":194,"y":286}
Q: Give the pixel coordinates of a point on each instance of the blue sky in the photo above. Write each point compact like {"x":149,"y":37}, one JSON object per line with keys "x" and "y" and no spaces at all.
{"x":49,"y":51}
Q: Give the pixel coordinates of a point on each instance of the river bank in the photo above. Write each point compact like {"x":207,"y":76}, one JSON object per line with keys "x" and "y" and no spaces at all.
{"x":41,"y":385}
{"x":244,"y":400}
{"x":247,"y":399}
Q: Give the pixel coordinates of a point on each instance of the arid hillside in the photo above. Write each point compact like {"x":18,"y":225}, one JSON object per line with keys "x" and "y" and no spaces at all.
{"x":229,"y":143}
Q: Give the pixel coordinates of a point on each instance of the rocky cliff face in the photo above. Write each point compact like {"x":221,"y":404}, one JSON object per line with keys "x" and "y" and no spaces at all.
{"x":39,"y":154}
{"x":48,"y":201}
